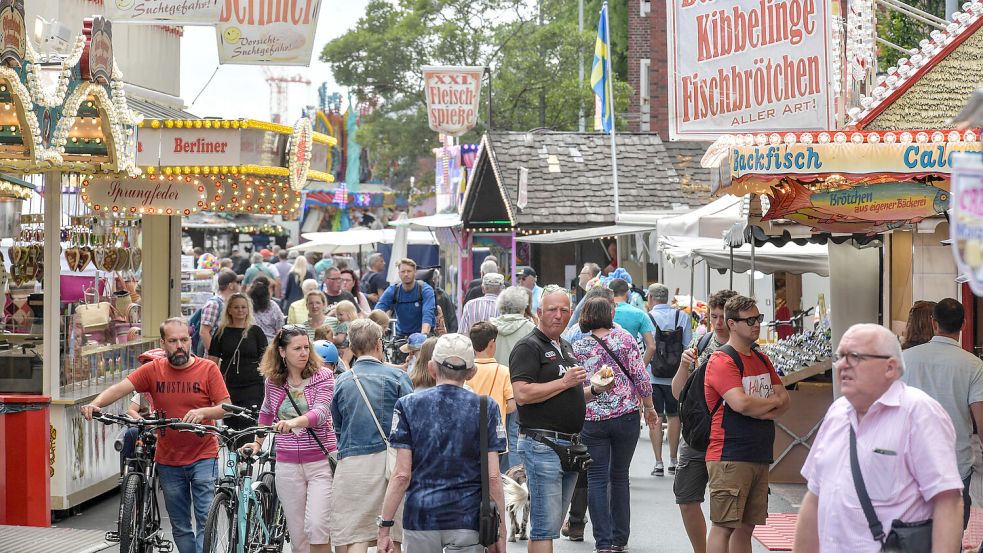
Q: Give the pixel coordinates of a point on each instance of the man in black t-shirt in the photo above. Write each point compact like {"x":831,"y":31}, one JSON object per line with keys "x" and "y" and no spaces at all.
{"x":374,"y":281}
{"x":332,"y":288}
{"x":548,"y":385}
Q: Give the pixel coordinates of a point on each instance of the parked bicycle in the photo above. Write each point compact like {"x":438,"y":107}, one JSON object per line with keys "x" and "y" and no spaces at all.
{"x":138,"y":527}
{"x":244,"y":517}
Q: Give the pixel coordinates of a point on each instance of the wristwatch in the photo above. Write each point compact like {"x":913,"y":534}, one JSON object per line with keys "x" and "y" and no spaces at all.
{"x":383,"y":523}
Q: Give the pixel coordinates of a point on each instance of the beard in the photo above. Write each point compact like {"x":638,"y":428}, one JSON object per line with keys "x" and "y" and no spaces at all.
{"x":178,"y":358}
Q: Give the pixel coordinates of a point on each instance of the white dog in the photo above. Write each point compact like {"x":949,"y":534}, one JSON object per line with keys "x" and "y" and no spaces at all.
{"x":516,"y":502}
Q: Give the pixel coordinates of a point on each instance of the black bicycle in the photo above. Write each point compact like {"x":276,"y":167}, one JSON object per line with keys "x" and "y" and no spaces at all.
{"x":138,"y":527}
{"x":245,"y":517}
{"x":391,"y":344}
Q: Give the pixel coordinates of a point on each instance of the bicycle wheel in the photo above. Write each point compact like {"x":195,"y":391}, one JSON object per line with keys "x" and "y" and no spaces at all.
{"x":220,"y":524}
{"x":130,"y":514}
{"x":276,"y":521}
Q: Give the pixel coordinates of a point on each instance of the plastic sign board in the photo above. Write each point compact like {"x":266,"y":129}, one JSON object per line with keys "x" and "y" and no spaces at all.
{"x":848,"y":158}
{"x":172,"y":12}
{"x":755,"y":66}
{"x":453,"y":95}
{"x":267,"y":32}
{"x":197,"y":146}
{"x":966,"y":218}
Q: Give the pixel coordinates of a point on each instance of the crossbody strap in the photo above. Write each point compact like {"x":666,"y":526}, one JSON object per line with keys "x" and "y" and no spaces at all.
{"x":876,"y":528}
{"x":361,"y":390}
{"x":611,"y":354}
{"x":309,"y":429}
{"x":483,"y":447}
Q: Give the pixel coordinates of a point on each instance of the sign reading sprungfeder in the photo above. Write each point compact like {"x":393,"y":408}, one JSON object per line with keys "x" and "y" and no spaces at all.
{"x":453,"y":95}
{"x":966,"y":218}
{"x":755,"y":66}
{"x":175,"y":12}
{"x":267,"y":32}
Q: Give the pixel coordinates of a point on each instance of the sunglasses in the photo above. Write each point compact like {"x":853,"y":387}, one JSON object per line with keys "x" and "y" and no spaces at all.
{"x":751,"y":321}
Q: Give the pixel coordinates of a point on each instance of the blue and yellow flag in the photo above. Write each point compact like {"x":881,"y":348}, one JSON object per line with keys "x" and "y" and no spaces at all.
{"x":599,"y":73}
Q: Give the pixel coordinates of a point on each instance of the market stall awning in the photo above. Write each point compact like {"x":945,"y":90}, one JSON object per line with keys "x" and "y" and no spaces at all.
{"x":441,"y":220}
{"x":577,"y":235}
{"x":336,"y":242}
{"x":768,"y":259}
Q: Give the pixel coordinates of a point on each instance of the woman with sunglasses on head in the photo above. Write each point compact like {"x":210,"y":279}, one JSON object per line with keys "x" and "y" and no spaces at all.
{"x":237,"y":346}
{"x":350,"y":284}
{"x":298,"y":397}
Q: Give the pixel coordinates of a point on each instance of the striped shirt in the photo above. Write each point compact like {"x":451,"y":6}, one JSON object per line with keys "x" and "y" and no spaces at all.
{"x":299,"y":446}
{"x":479,"y":309}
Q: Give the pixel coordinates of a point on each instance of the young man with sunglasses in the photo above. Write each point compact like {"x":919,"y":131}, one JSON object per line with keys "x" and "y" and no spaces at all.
{"x":745,"y":395}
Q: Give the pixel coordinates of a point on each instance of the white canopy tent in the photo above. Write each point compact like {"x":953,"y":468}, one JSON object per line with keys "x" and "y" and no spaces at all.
{"x":350,"y":241}
{"x":767,"y":259}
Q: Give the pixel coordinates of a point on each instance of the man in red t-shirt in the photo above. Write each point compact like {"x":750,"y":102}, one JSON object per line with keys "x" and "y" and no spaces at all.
{"x":744,"y":401}
{"x":192,"y":389}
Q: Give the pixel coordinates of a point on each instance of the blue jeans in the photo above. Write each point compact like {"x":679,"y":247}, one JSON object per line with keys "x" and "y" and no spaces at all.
{"x":182,"y":485}
{"x":511,"y":458}
{"x":128,"y":438}
{"x":611,"y":444}
{"x":550,"y":489}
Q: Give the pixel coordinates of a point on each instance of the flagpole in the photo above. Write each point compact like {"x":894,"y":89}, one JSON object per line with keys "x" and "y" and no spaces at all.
{"x":614,"y":155}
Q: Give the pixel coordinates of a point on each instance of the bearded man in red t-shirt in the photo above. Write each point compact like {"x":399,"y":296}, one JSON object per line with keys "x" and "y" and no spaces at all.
{"x":745,"y":395}
{"x":192,"y":389}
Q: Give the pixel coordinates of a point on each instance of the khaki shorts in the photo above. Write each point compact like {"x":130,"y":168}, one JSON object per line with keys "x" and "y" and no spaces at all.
{"x":738,"y":493}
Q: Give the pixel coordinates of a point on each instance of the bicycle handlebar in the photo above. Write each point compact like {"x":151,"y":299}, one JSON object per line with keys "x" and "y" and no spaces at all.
{"x":109,"y":418}
{"x":225,"y":433}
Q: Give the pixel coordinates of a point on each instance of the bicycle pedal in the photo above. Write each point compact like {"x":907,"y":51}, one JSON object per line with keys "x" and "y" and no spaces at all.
{"x":165,"y":546}
{"x":112,"y":536}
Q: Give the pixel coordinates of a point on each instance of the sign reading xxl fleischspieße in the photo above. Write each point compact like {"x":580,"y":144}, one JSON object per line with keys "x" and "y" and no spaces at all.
{"x":756,"y":66}
{"x":453,"y":95}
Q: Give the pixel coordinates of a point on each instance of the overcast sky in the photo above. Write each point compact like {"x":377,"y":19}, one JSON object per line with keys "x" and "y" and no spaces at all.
{"x":240,"y":91}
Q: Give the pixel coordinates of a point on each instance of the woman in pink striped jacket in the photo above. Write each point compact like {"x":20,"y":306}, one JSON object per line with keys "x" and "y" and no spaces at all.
{"x":298,"y":398}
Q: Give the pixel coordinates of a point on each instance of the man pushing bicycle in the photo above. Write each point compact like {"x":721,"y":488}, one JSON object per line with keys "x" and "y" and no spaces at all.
{"x":192,"y":389}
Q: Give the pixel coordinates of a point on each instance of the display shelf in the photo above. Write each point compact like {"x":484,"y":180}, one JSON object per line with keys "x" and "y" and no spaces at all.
{"x":807,"y":372}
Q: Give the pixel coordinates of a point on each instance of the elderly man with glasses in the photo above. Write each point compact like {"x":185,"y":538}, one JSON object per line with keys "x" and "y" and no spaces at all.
{"x":901,"y":445}
{"x":744,"y":395}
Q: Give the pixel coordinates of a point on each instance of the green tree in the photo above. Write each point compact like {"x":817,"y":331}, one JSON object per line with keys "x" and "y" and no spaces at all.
{"x":903,"y":30}
{"x":533,"y":48}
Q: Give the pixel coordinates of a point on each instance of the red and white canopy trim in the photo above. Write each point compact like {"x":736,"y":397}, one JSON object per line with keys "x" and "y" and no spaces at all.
{"x":930,"y":52}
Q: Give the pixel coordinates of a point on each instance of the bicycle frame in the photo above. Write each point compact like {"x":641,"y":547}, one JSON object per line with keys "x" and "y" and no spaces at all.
{"x":243,"y":497}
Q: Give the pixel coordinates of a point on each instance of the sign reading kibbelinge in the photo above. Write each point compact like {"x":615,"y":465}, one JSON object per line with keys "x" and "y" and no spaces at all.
{"x":755,"y":66}
{"x":453,"y":95}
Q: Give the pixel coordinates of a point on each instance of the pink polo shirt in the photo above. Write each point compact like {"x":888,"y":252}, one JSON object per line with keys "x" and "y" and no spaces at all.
{"x":906,"y":447}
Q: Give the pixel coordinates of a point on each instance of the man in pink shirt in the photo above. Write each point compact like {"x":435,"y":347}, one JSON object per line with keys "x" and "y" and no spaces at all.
{"x":905,"y":447}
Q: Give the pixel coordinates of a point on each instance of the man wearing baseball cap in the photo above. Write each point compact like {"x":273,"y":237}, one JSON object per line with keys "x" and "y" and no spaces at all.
{"x":485,"y":307}
{"x":527,"y":279}
{"x":438,"y":462}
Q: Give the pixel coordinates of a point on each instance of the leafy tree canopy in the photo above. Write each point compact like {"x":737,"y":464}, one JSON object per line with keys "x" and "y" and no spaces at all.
{"x":533,"y":48}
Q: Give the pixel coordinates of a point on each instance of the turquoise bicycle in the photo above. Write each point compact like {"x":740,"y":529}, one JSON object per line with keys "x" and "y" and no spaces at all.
{"x":245,"y":516}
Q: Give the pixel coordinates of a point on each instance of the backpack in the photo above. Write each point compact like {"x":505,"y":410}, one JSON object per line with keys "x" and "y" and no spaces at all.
{"x":695,"y":417}
{"x":399,"y":288}
{"x":194,"y":325}
{"x":668,"y":349}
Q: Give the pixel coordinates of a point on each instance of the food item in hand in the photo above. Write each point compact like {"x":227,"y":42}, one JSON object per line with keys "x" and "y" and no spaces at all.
{"x":606,"y":371}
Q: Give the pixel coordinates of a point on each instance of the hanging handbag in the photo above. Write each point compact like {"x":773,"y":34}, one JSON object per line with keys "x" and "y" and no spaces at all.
{"x":908,"y":537}
{"x":95,"y":316}
{"x":488,"y":517}
{"x":390,"y":451}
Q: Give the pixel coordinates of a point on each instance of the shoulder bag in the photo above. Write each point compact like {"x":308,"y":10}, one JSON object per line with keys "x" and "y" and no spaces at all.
{"x":390,"y":451}
{"x":910,"y":537}
{"x":488,"y":519}
{"x":611,"y":354}
{"x":331,"y":461}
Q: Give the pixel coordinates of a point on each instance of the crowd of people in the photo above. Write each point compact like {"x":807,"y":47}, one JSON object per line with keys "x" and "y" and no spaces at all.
{"x":375,"y":452}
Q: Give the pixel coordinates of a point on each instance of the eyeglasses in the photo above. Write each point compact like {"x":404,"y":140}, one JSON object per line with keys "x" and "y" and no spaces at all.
{"x":853,"y":358}
{"x":333,"y":278}
{"x":751,"y":321}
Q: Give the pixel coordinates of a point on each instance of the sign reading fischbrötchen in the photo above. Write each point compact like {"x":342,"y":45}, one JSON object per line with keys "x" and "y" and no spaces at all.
{"x":754,"y":66}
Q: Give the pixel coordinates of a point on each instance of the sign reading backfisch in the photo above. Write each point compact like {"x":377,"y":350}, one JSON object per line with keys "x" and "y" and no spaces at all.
{"x":267,"y":32}
{"x":748,"y":66}
{"x":809,"y":159}
{"x":452,"y":95}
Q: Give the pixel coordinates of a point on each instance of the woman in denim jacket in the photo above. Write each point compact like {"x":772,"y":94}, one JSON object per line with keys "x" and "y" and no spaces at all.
{"x":360,"y":482}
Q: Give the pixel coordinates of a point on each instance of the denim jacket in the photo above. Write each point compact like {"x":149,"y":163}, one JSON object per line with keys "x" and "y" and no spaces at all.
{"x":356,"y":431}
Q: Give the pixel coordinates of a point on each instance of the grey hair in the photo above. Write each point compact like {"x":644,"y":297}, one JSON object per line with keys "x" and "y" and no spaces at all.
{"x":256,"y":258}
{"x":363,"y":335}
{"x":887,"y":342}
{"x":375,"y":257}
{"x":552,"y":289}
{"x":491,"y":288}
{"x":450,"y":374}
{"x":513,"y":301}
{"x":308,"y":285}
{"x":489,"y":267}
